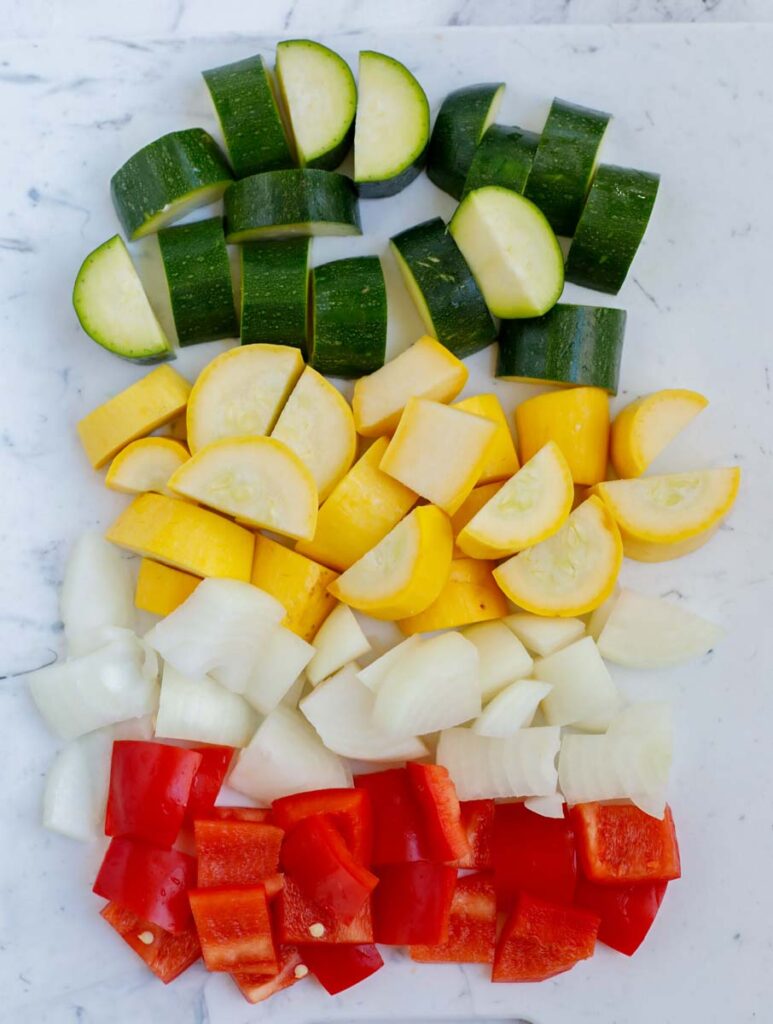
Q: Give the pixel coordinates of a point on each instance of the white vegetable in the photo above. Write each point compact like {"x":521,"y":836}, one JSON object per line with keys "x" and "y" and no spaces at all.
{"x":338,"y":641}
{"x":97,"y":591}
{"x":542,"y":635}
{"x":484,"y":767}
{"x":512,"y":709}
{"x":85,"y":641}
{"x":284,"y":757}
{"x":432,"y":687}
{"x":201,"y":710}
{"x":646,"y":632}
{"x":546,"y":806}
{"x":373,"y":675}
{"x":341,"y":710}
{"x":502,"y":658}
{"x":584,"y":693}
{"x":295,"y":692}
{"x":285,"y":656}
{"x":598,"y":617}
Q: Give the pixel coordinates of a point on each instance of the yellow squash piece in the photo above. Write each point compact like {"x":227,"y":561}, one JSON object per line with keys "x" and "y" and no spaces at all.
{"x":570,"y":573}
{"x":405,"y":572}
{"x":177,"y":428}
{"x":425,"y":370}
{"x":360,"y":512}
{"x":501,"y":461}
{"x":143,"y":407}
{"x":146,"y":465}
{"x":184,"y":536}
{"x":317,"y":424}
{"x":471,"y":505}
{"x":577,"y":419}
{"x":241,"y":393}
{"x":644,"y":428}
{"x":297,"y":582}
{"x":649,"y":551}
{"x":470,"y":595}
{"x":257,"y":479}
{"x":161,"y":589}
{"x":439,"y":452}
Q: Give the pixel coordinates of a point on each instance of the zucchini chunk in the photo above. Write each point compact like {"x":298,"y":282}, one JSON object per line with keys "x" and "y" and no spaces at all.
{"x":462,"y":120}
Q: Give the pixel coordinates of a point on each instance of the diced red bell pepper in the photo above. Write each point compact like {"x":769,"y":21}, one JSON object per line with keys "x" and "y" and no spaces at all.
{"x":234,"y":929}
{"x":349,"y":808}
{"x":618,"y":843}
{"x":233,"y":853}
{"x":534,"y":854}
{"x":398,"y":834}
{"x":412,"y":904}
{"x":301,"y":922}
{"x":471,"y":929}
{"x":478,"y":823}
{"x":166,"y":955}
{"x":258,"y":987}
{"x":215,"y":762}
{"x":337,"y":968}
{"x":260,"y":814}
{"x":542,"y":939}
{"x":626,"y":911}
{"x":439,"y":809}
{"x":150,"y":882}
{"x":150,"y":784}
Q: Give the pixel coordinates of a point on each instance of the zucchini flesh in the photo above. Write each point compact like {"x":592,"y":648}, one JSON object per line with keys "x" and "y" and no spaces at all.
{"x":504,"y":157}
{"x":166,"y":179}
{"x":611,"y":227}
{"x":198,"y":275}
{"x":577,"y":345}
{"x":462,"y":120}
{"x":275,"y":285}
{"x":284,"y":204}
{"x":349,"y":317}
{"x":564,"y":163}
{"x":443,"y":288}
{"x":243,"y":96}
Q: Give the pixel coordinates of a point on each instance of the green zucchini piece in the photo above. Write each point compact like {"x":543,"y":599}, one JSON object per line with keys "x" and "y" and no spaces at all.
{"x":576,"y":345}
{"x":443,"y":288}
{"x":564,"y":163}
{"x":611,"y":227}
{"x":392,"y":127}
{"x":275,"y":289}
{"x":198,"y":276}
{"x":349,"y":317}
{"x":511,"y":250}
{"x":166,"y":179}
{"x":461,"y":123}
{"x":283,"y":204}
{"x":113,"y":308}
{"x":320,"y":97}
{"x":504,"y":157}
{"x":246,"y":107}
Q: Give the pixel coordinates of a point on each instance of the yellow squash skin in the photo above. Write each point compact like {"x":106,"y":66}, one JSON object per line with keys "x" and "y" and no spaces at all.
{"x":470,"y":595}
{"x":299,"y":583}
{"x":647,"y":425}
{"x":501,"y":459}
{"x":472,"y":504}
{"x":142,"y":459}
{"x":161,"y":589}
{"x":650,"y":551}
{"x":577,"y":419}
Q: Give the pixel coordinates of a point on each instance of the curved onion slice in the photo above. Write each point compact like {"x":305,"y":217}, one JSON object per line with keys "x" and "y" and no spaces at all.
{"x":543,"y":635}
{"x":285,"y":656}
{"x":338,"y":641}
{"x":502,"y":658}
{"x":584,"y":693}
{"x":97,"y":592}
{"x":484,"y":767}
{"x":373,"y":675}
{"x":546,"y":806}
{"x":202,"y":711}
{"x":512,"y":709}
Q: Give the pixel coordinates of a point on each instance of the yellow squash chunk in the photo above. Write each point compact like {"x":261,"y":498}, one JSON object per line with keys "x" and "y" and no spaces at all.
{"x":425,"y":370}
{"x":184,"y":536}
{"x":143,"y":407}
{"x":404,"y":573}
{"x":161,"y":589}
{"x":257,"y":479}
{"x":439,"y":452}
{"x":177,"y":428}
{"x":241,"y":393}
{"x":360,"y":512}
{"x":529,"y":507}
{"x":470,"y":595}
{"x":501,"y":461}
{"x":649,"y":551}
{"x":471,"y":505}
{"x":577,"y":419}
{"x":296,"y":582}
{"x":644,"y":428}
{"x":570,"y":573}
{"x":146,"y":465}
{"x":317,"y":424}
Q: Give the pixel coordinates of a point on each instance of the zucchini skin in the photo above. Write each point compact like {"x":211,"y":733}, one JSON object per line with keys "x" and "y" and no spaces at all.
{"x":611,"y":227}
{"x":275,"y":286}
{"x":164,"y":172}
{"x":459,"y":126}
{"x":575,"y":345}
{"x":386,"y":187}
{"x":504,"y":157}
{"x":349,"y":317}
{"x":198,"y":275}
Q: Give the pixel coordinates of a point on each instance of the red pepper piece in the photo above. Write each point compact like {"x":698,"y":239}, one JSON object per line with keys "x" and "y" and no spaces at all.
{"x":626,"y":911}
{"x":234,"y":929}
{"x":471,"y":929}
{"x":412,"y":904}
{"x":478,"y":823}
{"x":233,"y":853}
{"x":533,"y":854}
{"x":398,"y":834}
{"x":439,"y":808}
{"x":258,"y":987}
{"x":349,"y":808}
{"x":618,"y":843}
{"x":150,"y":784}
{"x":215,"y":762}
{"x":337,"y":968}
{"x":298,"y":921}
{"x":260,"y":814}
{"x":150,"y":882}
{"x":542,"y":939}
{"x":166,"y":955}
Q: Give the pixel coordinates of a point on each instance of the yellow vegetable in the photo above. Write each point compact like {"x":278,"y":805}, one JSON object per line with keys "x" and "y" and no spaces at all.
{"x":178,"y":428}
{"x":644,"y":428}
{"x":649,"y":551}
{"x":360,"y":512}
{"x":439,"y":452}
{"x":404,"y":573}
{"x":577,"y":419}
{"x":143,"y":407}
{"x":472,"y":504}
{"x":297,"y":582}
{"x":470,"y":595}
{"x":161,"y":589}
{"x":146,"y":465}
{"x":501,"y":461}
{"x":184,"y":536}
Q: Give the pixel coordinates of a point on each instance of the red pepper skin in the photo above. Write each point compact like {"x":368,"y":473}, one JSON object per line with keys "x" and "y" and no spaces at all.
{"x":477,"y":817}
{"x":152,"y":883}
{"x":258,"y":987}
{"x":532,"y":854}
{"x":398,"y":834}
{"x":619,"y":844}
{"x":350,"y":810}
{"x":150,"y":784}
{"x":259,"y":814}
{"x":234,"y":853}
{"x":439,"y":808}
{"x":215,"y":762}
{"x":542,"y":939}
{"x":337,"y":968}
{"x":471,"y":929}
{"x":412,"y":904}
{"x":626,"y":911}
{"x":234,"y":929}
{"x":295,"y":916}
{"x":166,"y":955}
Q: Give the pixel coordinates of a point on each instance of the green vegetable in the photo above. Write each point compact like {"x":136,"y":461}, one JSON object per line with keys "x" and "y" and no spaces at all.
{"x":462,"y":120}
{"x":504,"y":157}
{"x":349,"y":317}
{"x":275,"y":286}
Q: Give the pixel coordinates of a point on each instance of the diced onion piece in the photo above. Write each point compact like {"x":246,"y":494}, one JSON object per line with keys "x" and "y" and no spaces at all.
{"x":512,"y":709}
{"x":373,"y":675}
{"x":338,"y":641}
{"x":544,"y":636}
{"x":598,"y":617}
{"x":584,"y":693}
{"x":201,"y":710}
{"x":97,"y":592}
{"x":285,"y":656}
{"x":546,"y":806}
{"x":483,"y":767}
{"x":86,"y":641}
{"x":502,"y":658}
{"x":294,"y":694}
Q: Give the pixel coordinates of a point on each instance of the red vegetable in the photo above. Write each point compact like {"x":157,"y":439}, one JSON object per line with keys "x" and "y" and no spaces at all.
{"x":298,"y":921}
{"x":398,"y":835}
{"x":412,"y":904}
{"x":349,"y":808}
{"x":541,"y":939}
{"x":472,"y":926}
{"x":257,"y":987}
{"x":439,"y":809}
{"x":234,"y":929}
{"x":233,"y":853}
{"x":150,"y":882}
{"x":618,"y":843}
{"x":337,"y":968}
{"x":262,"y":814}
{"x":149,"y":789}
{"x":534,"y":854}
{"x":477,"y":818}
{"x":626,"y":911}
{"x":215,"y":762}
{"x":165,"y":954}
